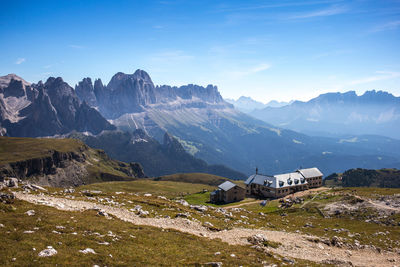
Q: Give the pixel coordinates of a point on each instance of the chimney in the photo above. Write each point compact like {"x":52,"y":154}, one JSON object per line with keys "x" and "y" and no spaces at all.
{"x":256,"y":170}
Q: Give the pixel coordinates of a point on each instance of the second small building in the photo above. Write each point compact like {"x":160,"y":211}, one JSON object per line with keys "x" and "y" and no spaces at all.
{"x":227,"y":192}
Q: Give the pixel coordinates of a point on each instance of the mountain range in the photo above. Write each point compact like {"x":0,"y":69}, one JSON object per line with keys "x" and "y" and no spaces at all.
{"x":45,"y":109}
{"x":197,"y":118}
{"x":339,"y":114}
{"x":247,"y":104}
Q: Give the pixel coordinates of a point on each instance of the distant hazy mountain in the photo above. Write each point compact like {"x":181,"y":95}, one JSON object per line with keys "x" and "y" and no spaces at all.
{"x":157,"y":159}
{"x":44,"y":109}
{"x":335,"y":114}
{"x":247,"y":104}
{"x":211,"y":129}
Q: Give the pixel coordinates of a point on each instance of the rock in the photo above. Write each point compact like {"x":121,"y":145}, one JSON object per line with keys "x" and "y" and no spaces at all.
{"x":208,"y":224}
{"x":335,"y":241}
{"x":217,"y":253}
{"x":37,"y":187}
{"x":258,"y":239}
{"x":143,"y":213}
{"x":232,"y":255}
{"x":28,"y":232}
{"x":290,"y":261}
{"x":183,"y":202}
{"x":147,"y":195}
{"x":183,"y":215}
{"x":11,"y":182}
{"x":87,"y":251}
{"x":30,"y":213}
{"x":69,"y":190}
{"x":201,"y":208}
{"x":48,"y":252}
{"x":214,"y":264}
{"x":102,"y":213}
{"x":1,"y":225}
{"x":7,"y":198}
{"x":308,"y":225}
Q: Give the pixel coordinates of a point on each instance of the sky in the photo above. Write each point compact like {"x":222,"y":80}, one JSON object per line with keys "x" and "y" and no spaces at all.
{"x":267,"y":50}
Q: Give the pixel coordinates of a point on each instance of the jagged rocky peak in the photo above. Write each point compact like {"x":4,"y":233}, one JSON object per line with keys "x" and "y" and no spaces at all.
{"x":85,"y":91}
{"x":140,"y":76}
{"x":5,"y":80}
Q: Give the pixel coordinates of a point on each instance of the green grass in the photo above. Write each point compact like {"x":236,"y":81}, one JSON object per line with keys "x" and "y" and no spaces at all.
{"x":133,"y":246}
{"x":165,"y":188}
{"x":195,"y":178}
{"x":14,"y":149}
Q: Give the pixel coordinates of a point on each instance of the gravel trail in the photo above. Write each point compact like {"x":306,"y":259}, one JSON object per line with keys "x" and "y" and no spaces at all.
{"x":293,"y":245}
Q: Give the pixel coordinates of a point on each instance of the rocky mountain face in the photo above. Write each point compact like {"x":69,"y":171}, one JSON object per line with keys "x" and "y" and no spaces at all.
{"x":45,"y":109}
{"x":336,"y":114}
{"x":133,"y":93}
{"x":157,"y":159}
{"x":61,"y":163}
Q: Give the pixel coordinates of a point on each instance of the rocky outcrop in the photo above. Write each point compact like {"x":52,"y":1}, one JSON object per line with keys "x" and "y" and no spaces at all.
{"x":73,"y":168}
{"x":46,"y":109}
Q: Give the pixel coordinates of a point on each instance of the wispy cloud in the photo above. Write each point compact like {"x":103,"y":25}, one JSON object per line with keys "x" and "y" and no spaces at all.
{"x":20,"y":60}
{"x":379,"y":76}
{"x":76,"y":46}
{"x":331,"y":11}
{"x":245,"y":72}
{"x":392,"y":25}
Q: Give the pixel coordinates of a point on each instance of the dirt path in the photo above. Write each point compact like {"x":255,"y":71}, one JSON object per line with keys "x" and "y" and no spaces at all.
{"x":243,"y":204}
{"x":293,"y":245}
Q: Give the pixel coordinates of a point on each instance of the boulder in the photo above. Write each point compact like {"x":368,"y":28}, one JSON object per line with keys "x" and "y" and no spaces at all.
{"x":48,"y":252}
{"x":258,"y":239}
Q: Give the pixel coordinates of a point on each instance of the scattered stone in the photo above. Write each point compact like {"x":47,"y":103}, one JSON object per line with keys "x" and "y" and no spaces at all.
{"x":11,"y":182}
{"x":7,"y":198}
{"x":208,"y":224}
{"x":147,"y":195}
{"x":233,"y":255}
{"x":48,"y":252}
{"x":183,"y":202}
{"x":183,"y":215}
{"x":69,"y":190}
{"x":30,"y":213}
{"x":1,"y":225}
{"x":28,"y":232}
{"x":60,"y":227}
{"x":217,"y":253}
{"x":13,"y":259}
{"x":37,"y":187}
{"x":162,"y":197}
{"x":102,"y":213}
{"x":201,"y":208}
{"x":87,"y":251}
{"x":290,"y":261}
{"x":257,"y":239}
{"x":214,"y":264}
{"x":143,"y":213}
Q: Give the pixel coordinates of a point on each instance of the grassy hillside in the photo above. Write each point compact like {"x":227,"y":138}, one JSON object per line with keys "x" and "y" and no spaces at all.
{"x":60,"y":162}
{"x":387,"y":178}
{"x":195,"y":178}
{"x":14,"y":149}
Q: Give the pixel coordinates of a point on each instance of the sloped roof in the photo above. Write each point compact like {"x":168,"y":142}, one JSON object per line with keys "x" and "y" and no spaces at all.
{"x":276,"y":181}
{"x":311,"y":172}
{"x":227,"y":185}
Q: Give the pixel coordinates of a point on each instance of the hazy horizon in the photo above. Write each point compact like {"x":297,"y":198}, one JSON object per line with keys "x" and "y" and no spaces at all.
{"x":268,"y":50}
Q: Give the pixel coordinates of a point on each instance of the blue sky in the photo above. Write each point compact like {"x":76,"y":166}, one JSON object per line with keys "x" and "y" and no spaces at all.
{"x":279,"y":50}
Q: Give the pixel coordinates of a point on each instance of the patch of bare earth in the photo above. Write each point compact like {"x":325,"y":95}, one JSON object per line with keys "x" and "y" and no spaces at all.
{"x":293,"y":245}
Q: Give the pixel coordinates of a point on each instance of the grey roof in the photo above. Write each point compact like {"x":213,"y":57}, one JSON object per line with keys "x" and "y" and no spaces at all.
{"x":227,"y":185}
{"x":311,"y":172}
{"x":277,"y":181}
